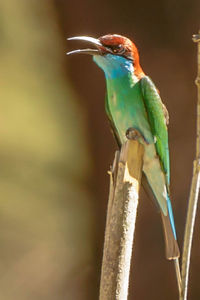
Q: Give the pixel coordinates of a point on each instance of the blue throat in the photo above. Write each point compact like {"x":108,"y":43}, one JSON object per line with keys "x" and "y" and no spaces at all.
{"x":114,"y":66}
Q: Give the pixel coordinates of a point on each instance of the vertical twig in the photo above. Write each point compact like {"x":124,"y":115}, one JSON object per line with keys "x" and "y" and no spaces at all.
{"x":194,"y":191}
{"x":121,"y":215}
{"x":178,"y":275}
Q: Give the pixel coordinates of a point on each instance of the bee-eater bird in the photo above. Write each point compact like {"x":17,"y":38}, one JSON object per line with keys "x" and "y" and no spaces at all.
{"x":133,"y":101}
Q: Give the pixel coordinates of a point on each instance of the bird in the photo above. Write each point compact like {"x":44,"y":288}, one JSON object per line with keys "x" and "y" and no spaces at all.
{"x":133,"y":101}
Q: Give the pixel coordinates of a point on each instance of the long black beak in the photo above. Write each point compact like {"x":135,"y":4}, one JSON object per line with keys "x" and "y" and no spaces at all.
{"x":93,"y":41}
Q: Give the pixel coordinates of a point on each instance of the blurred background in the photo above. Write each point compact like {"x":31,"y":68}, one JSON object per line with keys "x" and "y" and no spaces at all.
{"x":56,"y":145}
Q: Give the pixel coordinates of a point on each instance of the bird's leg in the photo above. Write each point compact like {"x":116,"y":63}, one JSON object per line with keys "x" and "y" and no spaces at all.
{"x":135,"y":134}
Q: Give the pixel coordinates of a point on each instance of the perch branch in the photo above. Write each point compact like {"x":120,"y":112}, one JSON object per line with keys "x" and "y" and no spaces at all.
{"x":194,"y":190}
{"x":125,"y":177}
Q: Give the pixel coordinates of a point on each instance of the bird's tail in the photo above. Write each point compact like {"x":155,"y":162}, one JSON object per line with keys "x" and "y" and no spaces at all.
{"x":171,"y":245}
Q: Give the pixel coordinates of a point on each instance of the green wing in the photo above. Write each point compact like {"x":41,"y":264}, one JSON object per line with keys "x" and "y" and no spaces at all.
{"x":158,"y":120}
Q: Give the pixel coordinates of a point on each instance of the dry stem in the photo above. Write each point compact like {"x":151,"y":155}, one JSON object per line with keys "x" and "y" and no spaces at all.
{"x":125,"y":178}
{"x":194,"y":192}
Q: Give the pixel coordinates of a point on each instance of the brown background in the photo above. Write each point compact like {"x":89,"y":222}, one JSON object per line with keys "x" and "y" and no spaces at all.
{"x":56,"y":145}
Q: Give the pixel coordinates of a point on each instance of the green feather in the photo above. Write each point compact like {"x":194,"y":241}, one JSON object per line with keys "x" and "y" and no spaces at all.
{"x":158,"y":119}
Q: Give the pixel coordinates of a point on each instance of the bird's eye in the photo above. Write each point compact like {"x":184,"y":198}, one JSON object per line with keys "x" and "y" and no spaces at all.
{"x":118,"y":49}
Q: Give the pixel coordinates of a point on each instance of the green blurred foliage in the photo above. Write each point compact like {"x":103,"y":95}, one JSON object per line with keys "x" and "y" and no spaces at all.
{"x":46,"y":244}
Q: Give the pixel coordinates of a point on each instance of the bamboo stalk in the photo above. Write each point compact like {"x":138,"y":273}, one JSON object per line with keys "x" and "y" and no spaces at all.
{"x":125,"y":178}
{"x":194,"y":191}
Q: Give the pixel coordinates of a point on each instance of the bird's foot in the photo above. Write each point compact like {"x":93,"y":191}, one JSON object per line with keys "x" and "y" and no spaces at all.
{"x":134,"y":134}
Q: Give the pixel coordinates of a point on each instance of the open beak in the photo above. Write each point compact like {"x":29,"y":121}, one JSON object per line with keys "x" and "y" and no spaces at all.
{"x":95,"y":42}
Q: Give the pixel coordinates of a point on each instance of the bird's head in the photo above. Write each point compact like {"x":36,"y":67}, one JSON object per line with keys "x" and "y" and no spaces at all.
{"x":114,"y":53}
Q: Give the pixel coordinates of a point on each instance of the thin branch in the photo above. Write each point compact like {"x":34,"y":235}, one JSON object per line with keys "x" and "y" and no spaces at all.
{"x":125,"y":178}
{"x":194,"y":191}
{"x":178,"y":275}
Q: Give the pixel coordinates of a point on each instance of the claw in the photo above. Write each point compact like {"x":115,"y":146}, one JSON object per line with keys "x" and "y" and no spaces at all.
{"x":134,"y":134}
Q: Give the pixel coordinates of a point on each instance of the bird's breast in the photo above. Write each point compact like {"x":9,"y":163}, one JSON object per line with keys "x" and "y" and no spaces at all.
{"x":126,"y":107}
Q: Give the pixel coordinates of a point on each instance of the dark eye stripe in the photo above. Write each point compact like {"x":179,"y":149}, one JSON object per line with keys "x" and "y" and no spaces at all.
{"x":119,"y":49}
